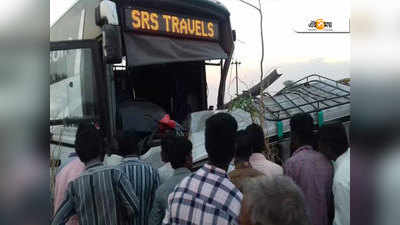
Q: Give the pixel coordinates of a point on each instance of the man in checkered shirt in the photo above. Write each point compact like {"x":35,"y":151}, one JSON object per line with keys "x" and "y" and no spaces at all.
{"x":207,"y":196}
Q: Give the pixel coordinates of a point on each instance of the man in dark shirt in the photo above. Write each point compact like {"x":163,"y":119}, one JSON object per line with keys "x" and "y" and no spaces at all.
{"x":99,"y":193}
{"x":243,"y":169}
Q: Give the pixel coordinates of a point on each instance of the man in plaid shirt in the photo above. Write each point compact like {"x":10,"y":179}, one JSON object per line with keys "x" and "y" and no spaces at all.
{"x":207,"y":196}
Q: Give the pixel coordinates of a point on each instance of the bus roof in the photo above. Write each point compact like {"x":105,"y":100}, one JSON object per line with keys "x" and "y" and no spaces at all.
{"x":213,"y":7}
{"x":211,"y":3}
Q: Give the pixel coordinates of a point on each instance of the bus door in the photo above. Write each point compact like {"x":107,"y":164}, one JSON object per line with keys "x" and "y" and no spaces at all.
{"x":77,"y":92}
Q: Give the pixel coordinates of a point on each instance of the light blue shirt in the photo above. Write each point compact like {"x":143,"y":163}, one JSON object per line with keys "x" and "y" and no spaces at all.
{"x":162,"y":193}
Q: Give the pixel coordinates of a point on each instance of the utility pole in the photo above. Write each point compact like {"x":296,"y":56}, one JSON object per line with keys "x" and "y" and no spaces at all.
{"x":237,"y":78}
{"x":259,"y":9}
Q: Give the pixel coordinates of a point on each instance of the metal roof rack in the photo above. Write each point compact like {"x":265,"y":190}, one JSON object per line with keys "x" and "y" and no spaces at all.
{"x":311,"y":94}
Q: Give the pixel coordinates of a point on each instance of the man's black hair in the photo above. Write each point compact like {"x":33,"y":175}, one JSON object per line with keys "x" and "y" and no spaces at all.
{"x":257,"y":139}
{"x":334,"y":135}
{"x":179,"y":151}
{"x":301,"y":126}
{"x":243,"y":146}
{"x":220,"y":136}
{"x":88,"y":142}
{"x":128,"y":144}
{"x":167,"y":142}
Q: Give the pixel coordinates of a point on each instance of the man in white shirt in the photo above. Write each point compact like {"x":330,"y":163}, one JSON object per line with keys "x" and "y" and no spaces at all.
{"x":341,"y":189}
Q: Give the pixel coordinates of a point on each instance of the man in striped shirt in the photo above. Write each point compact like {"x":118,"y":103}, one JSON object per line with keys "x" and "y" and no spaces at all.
{"x":99,"y":193}
{"x":143,"y":177}
{"x":208,"y":196}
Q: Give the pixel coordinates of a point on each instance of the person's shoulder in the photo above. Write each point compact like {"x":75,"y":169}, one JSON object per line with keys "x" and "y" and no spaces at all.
{"x":181,"y":186}
{"x":342,"y":171}
{"x":169,"y":185}
{"x":74,"y":164}
{"x":307,"y":155}
{"x":143,"y":164}
{"x":246,"y":172}
{"x":198,"y":176}
{"x":321,"y":160}
{"x":114,"y":170}
{"x":186,"y":181}
{"x":250,"y":172}
{"x":273,"y":165}
{"x":154,"y":172}
{"x":291,"y":160}
{"x":342,"y":159}
{"x":227,"y":187}
{"x":234,"y":173}
{"x":75,"y":181}
{"x":112,"y":160}
{"x":116,"y":173}
{"x":293,"y":163}
{"x":189,"y":177}
{"x":166,"y":170}
{"x":149,"y":167}
{"x":238,"y":175}
{"x":227,"y":184}
{"x":71,"y":185}
{"x":232,"y":190}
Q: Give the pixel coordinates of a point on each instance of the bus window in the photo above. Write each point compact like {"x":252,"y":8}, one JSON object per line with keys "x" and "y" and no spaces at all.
{"x":72,"y":84}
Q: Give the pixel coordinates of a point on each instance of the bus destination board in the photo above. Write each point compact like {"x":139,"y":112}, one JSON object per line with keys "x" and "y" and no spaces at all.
{"x":170,"y":24}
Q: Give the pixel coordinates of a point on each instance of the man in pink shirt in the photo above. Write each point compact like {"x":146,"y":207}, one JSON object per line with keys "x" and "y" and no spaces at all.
{"x":257,"y":159}
{"x":311,"y":170}
{"x":70,"y":172}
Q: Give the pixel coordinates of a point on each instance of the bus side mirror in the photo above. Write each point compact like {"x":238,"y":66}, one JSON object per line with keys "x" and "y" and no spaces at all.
{"x":106,"y":17}
{"x":234,"y":35}
{"x":112,"y":44}
{"x":106,"y":13}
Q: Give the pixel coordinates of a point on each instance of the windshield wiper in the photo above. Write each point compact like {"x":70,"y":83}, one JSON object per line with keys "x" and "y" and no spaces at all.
{"x":72,"y":120}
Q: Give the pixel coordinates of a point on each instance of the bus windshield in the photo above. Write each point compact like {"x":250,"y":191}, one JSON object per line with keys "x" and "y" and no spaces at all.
{"x":72,"y":84}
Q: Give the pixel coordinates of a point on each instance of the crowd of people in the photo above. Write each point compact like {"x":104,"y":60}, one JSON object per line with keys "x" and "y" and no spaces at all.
{"x":310,"y":188}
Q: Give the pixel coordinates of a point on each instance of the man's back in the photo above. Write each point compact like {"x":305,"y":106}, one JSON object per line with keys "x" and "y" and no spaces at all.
{"x":239,"y":176}
{"x":97,"y":197}
{"x":165,"y":172}
{"x":205,"y":197}
{"x":145,"y":181}
{"x":313,"y":172}
{"x":161,"y":199}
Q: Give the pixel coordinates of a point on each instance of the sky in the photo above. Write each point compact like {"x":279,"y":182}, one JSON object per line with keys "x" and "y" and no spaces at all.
{"x":295,"y":55}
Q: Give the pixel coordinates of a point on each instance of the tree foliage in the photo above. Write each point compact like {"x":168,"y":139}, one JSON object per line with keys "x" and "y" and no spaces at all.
{"x":251,"y":105}
{"x":246,"y":103}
